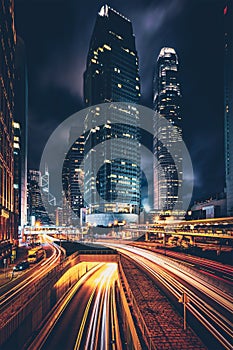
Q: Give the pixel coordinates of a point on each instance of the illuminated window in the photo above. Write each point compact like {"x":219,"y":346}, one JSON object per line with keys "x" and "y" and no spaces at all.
{"x":107,"y":47}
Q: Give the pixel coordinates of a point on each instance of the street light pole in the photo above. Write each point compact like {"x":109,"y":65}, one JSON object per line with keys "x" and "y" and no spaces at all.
{"x":5,"y":266}
{"x":185,"y":300}
{"x":185,"y":321}
{"x":59,"y":231}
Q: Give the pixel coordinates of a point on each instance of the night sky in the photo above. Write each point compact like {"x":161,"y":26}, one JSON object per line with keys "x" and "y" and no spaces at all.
{"x":57,"y":34}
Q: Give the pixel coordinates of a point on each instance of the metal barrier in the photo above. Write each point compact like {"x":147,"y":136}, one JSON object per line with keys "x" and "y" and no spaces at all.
{"x":25,"y":316}
{"x":130,"y":331}
{"x":141,"y":322}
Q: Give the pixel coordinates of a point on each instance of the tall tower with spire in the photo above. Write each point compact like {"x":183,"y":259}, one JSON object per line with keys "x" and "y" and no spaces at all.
{"x":167,"y":168}
{"x":112,"y":192}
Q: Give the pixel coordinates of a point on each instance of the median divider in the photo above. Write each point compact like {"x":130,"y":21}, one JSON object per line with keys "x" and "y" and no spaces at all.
{"x":129,"y":303}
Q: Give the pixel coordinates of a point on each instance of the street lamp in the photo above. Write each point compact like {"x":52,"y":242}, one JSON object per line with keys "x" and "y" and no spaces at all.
{"x":59,"y":233}
{"x":184,"y":299}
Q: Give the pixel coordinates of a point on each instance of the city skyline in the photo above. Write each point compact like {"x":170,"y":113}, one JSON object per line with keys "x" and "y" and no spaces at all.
{"x":42,"y":75}
{"x":85,"y":262}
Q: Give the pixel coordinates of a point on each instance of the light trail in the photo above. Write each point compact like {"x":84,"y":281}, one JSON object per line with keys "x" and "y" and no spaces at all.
{"x":216,"y":294}
{"x":103,"y":316}
{"x":26,"y":286}
{"x":88,"y":314}
{"x":209,"y":304}
{"x":210,"y":266}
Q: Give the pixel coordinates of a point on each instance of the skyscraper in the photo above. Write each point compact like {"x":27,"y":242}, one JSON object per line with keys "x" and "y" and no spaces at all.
{"x":7,"y":96}
{"x":17,"y":173}
{"x":36,"y":209}
{"x":112,"y":191}
{"x":228,"y":103}
{"x":21,"y":115}
{"x":167,"y":167}
{"x":73,"y":174}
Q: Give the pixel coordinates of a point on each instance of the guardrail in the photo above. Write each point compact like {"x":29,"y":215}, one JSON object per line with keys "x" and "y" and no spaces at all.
{"x":141,"y":322}
{"x":24,"y":316}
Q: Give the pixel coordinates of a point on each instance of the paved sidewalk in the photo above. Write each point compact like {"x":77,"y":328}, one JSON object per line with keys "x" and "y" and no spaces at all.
{"x":163,"y":321}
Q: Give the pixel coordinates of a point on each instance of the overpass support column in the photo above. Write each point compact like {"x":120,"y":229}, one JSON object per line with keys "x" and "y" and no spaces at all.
{"x":192,"y":240}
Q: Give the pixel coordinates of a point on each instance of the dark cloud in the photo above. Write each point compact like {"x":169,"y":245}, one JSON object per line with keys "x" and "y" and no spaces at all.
{"x":52,"y":106}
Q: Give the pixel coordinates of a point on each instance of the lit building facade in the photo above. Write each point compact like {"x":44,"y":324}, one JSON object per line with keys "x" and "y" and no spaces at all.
{"x":228,"y":103}
{"x":7,"y":96}
{"x":112,"y":192}
{"x":21,"y":115}
{"x":17,"y":174}
{"x":168,"y":171}
{"x":74,"y":172}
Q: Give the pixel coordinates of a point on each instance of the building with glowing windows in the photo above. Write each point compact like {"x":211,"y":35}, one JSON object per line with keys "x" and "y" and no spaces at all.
{"x":7,"y":99}
{"x":35,"y":206}
{"x":17,"y":174}
{"x":228,"y":103}
{"x":73,"y":174}
{"x":167,"y":167}
{"x":112,"y":147}
{"x":21,"y":115}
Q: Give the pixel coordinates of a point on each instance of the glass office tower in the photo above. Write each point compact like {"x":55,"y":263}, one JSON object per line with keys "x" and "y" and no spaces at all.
{"x":73,"y":173}
{"x":228,"y":103}
{"x":167,"y":166}
{"x":112,"y":147}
